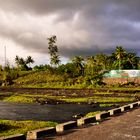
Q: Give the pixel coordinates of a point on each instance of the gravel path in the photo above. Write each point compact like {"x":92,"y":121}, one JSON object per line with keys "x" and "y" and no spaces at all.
{"x":124,"y":127}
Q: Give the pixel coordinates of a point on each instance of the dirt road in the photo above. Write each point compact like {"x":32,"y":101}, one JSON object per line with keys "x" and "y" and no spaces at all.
{"x":123,"y":127}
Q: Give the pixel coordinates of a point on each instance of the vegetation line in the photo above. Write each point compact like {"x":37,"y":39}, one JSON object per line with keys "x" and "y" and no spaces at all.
{"x":79,"y":73}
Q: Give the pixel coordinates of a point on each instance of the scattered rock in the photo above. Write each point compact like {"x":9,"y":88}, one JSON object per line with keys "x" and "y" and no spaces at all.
{"x":78,"y":116}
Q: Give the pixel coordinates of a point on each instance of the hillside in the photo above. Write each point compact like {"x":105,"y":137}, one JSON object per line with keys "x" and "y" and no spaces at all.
{"x":38,"y":79}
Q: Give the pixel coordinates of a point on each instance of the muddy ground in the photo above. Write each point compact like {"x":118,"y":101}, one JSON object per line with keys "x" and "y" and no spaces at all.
{"x":69,"y":92}
{"x":73,"y":93}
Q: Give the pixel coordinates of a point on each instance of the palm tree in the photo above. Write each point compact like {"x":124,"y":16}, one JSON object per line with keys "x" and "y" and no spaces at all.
{"x":55,"y":60}
{"x":78,"y":61}
{"x":17,"y":60}
{"x":52,"y":39}
{"x":90,"y":63}
{"x":111,"y":62}
{"x":120,"y":53}
{"x":101,"y":60}
{"x":22,"y":63}
{"x":29,"y":60}
{"x":131,"y":60}
{"x":53,"y":50}
{"x":1,"y":68}
{"x":138,"y":62}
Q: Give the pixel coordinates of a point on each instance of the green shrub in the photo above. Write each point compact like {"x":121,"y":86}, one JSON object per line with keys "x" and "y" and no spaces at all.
{"x":9,"y":76}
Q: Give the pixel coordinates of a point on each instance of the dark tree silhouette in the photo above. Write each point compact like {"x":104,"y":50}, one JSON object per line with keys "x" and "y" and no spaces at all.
{"x":53,"y":51}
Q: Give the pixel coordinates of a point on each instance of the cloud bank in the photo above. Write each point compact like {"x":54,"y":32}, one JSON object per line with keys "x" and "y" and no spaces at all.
{"x":83,"y":27}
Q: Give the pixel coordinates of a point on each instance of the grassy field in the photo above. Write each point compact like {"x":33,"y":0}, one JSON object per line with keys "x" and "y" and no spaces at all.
{"x":97,"y":99}
{"x":9,"y":127}
{"x":31,"y":98}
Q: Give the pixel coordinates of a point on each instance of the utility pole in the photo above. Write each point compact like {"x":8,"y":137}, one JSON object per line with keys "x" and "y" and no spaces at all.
{"x":5,"y":55}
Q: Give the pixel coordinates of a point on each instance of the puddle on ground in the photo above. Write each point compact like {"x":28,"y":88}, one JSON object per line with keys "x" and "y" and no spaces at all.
{"x":58,"y":113}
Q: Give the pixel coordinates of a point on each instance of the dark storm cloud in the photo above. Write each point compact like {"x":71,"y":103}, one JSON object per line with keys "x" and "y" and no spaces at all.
{"x":41,"y":6}
{"x":70,"y":53}
{"x":83,"y":27}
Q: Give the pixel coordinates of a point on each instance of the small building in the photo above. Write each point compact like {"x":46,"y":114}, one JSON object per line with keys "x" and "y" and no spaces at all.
{"x":122,"y":74}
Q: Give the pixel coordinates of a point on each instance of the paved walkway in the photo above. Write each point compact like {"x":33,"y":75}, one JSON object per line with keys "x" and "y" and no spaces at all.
{"x":123,"y":127}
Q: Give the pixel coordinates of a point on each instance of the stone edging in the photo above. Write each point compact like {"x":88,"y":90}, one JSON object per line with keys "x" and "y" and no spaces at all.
{"x":14,"y":137}
{"x":60,"y":128}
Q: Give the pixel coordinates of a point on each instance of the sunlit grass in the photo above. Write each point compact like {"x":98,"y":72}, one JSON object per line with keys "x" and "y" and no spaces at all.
{"x":90,"y":114}
{"x":99,"y":99}
{"x":19,"y":99}
{"x":106,"y":105}
{"x":9,"y":127}
{"x":104,"y":93}
{"x":32,"y":98}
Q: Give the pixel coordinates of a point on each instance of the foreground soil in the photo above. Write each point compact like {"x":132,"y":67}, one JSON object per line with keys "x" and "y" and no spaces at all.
{"x":123,"y":127}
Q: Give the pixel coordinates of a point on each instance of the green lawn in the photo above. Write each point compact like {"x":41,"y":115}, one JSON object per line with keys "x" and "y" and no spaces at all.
{"x":9,"y":127}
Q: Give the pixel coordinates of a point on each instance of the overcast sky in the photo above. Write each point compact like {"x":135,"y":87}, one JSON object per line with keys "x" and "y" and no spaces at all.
{"x":83,"y":27}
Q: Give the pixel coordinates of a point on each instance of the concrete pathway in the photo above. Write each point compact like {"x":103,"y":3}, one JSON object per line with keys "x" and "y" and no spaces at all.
{"x":123,"y":127}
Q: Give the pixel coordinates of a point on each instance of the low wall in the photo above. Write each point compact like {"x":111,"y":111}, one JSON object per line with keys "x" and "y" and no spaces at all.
{"x":35,"y":134}
{"x":66,"y":126}
{"x":14,"y":137}
{"x":86,"y":120}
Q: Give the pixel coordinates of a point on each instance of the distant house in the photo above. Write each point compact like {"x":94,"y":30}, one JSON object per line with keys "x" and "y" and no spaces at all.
{"x":122,"y":74}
